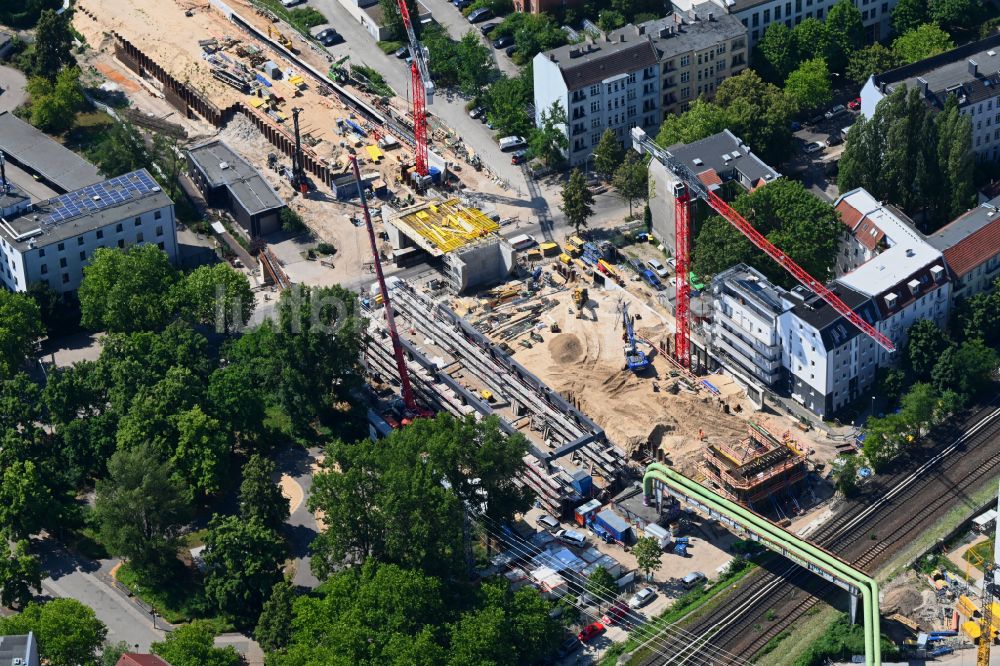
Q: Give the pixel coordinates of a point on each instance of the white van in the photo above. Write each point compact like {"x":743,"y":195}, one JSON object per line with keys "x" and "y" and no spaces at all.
{"x":511,"y":142}
{"x":522,"y":241}
{"x":657,"y":267}
{"x":692,"y":579}
{"x":572,"y":538}
{"x":547,"y":522}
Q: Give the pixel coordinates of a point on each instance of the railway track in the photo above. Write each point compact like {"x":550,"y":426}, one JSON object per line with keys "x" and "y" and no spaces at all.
{"x":865,"y":532}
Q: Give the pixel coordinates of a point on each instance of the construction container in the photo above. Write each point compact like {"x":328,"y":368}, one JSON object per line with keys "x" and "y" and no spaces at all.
{"x":615,"y":525}
{"x":584,"y":512}
{"x":576,"y":240}
{"x":572,"y":250}
{"x":271,"y":69}
{"x":549,"y":249}
{"x":662,"y":536}
{"x":565,"y":258}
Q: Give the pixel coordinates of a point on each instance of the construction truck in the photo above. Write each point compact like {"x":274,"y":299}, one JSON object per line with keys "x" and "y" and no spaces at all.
{"x":635,"y":359}
{"x":580,"y":298}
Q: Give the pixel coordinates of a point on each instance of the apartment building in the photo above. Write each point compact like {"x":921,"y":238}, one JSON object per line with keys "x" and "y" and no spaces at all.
{"x":51,"y":241}
{"x":633,"y":76}
{"x":745,"y":334}
{"x":829,"y":362}
{"x":970,"y":73}
{"x":757,"y":15}
{"x":721,"y":161}
{"x":872,"y":227}
{"x":971,"y":248}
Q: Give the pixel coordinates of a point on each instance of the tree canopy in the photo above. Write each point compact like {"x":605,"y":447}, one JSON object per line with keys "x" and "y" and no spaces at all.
{"x":51,"y":52}
{"x":548,"y":141}
{"x":608,"y":154}
{"x":193,"y":644}
{"x":921,"y":42}
{"x":577,"y":201}
{"x":124,"y":290}
{"x":20,"y":328}
{"x":631,"y":179}
{"x":808,"y":87}
{"x":55,"y":102}
{"x":68,"y":632}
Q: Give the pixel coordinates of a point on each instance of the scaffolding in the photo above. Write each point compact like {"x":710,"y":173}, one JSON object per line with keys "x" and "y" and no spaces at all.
{"x":443,"y":226}
{"x":755,"y":468}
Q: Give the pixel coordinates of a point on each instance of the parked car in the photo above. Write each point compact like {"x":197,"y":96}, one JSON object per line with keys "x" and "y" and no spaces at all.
{"x":329,"y":37}
{"x":813,"y":147}
{"x":488,"y":28}
{"x":854,"y":104}
{"x":569,"y":646}
{"x":480,"y":15}
{"x":572,"y":538}
{"x":402,"y":52}
{"x":548,"y":522}
{"x":510,"y":51}
{"x":642,"y":597}
{"x":672,"y":262}
{"x":476,"y":112}
{"x":290,"y":3}
{"x":816,"y":120}
{"x":796,"y":126}
{"x":590,"y":631}
{"x":835,"y":111}
{"x":692,"y":579}
{"x":834,"y":140}
{"x":462,"y":4}
{"x":616,"y":614}
{"x":503,"y":42}
{"x":657,"y":266}
{"x":519,"y":157}
{"x":509,"y":143}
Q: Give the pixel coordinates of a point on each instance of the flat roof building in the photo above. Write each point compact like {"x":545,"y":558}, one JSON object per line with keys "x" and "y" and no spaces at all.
{"x":47,"y":159}
{"x":970,"y":73}
{"x":51,"y":241}
{"x":19,"y":650}
{"x":230,"y":182}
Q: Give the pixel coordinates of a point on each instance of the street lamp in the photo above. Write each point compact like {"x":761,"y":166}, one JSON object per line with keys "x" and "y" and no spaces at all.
{"x":873,"y":406}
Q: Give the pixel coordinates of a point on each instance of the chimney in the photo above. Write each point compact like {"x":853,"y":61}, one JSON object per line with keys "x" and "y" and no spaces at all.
{"x":973,"y":67}
{"x":923,"y":85}
{"x":640,"y":30}
{"x":574,"y":53}
{"x":664,"y":33}
{"x":621,"y":38}
{"x":693,"y":14}
{"x":606,"y":37}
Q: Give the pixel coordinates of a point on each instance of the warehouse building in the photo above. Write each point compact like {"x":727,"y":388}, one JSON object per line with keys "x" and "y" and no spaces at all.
{"x":229,"y":182}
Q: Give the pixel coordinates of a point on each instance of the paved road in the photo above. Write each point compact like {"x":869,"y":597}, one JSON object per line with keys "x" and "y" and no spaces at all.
{"x":457,"y":25}
{"x":82,"y":579}
{"x":302,"y":527}
{"x":12,"y":82}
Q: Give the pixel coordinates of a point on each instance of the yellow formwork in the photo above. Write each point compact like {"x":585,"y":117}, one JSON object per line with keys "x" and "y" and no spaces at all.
{"x":448,"y":225}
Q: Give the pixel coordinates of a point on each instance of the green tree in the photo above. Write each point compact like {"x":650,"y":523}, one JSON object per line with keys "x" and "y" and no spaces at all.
{"x":237,"y":401}
{"x":193,"y":644}
{"x":127,"y":290}
{"x":609,"y":154}
{"x":548,"y":141}
{"x":20,"y":329}
{"x":506,"y":103}
{"x":921,"y":42}
{"x":759,"y":113}
{"x":243,"y":559}
{"x":976,"y":362}
{"x":19,"y":573}
{"x":955,"y":160}
{"x":908,"y":15}
{"x":120,"y":150}
{"x":956,"y":15}
{"x":54,"y":103}
{"x":274,"y":627}
{"x":702,"y":119}
{"x":884,"y":439}
{"x":112,"y":652}
{"x":846,"y":476}
{"x":926,"y":344}
{"x":813,"y":40}
{"x":870,"y":60}
{"x":51,"y":52}
{"x":847,"y":31}
{"x":479,"y":637}
{"x":139,"y":508}
{"x":601,"y":584}
{"x":68,"y":632}
{"x":260,"y":497}
{"x":918,"y":407}
{"x":809,"y":85}
{"x":201,"y":455}
{"x":631,"y":180}
{"x":25,"y":500}
{"x":776,"y":54}
{"x":647,"y":553}
{"x":577,"y":201}
{"x":609,"y":20}
{"x":475,"y":64}
{"x":216,"y":295}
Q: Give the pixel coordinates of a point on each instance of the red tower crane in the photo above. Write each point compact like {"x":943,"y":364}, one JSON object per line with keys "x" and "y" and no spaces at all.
{"x":406,"y":388}
{"x":422,"y":89}
{"x":685,"y":192}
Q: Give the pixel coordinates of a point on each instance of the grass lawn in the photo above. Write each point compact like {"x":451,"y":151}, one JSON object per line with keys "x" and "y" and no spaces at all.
{"x":88,"y":129}
{"x":181,"y":599}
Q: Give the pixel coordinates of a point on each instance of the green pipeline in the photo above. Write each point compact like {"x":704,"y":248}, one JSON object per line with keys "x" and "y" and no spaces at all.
{"x":801,"y":548}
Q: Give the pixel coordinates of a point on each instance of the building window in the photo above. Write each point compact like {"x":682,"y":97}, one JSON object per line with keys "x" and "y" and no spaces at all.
{"x":79,"y":240}
{"x":685,"y":93}
{"x":83,"y":255}
{"x":595,"y":89}
{"x":61,"y":246}
{"x":594,"y":124}
{"x":685,"y":61}
{"x":685,"y":77}
{"x":767,"y":16}
{"x":138,"y":221}
{"x":65,"y":278}
{"x":721,"y":49}
{"x":160,"y":245}
{"x":885,"y":7}
{"x":819,"y":13}
{"x":121,"y":243}
{"x":41,"y":252}
{"x":777,"y":13}
{"x":62,"y":262}
{"x":138,"y":237}
{"x":118,"y":228}
{"x":157,"y":215}
{"x":100,"y":233}
{"x":756,"y":20}
{"x":756,"y":33}
{"x":595,"y":107}
{"x":45,"y":269}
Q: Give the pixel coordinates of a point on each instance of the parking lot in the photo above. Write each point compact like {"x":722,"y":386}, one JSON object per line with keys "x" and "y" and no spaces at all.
{"x":817,"y":170}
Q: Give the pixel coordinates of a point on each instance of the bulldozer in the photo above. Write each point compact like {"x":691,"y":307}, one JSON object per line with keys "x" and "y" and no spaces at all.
{"x":580,"y":298}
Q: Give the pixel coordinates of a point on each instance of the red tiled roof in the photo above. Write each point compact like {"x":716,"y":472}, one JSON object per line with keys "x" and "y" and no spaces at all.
{"x":849,"y":215}
{"x":134,"y":659}
{"x":709,"y":177}
{"x":863,"y":229}
{"x":974,"y":249}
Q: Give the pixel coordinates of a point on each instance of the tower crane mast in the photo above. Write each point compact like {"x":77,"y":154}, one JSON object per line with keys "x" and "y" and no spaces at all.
{"x":422,"y":89}
{"x":690,"y":188}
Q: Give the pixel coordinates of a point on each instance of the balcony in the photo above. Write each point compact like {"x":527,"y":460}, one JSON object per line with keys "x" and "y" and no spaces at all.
{"x":579,"y":114}
{"x":578,"y":129}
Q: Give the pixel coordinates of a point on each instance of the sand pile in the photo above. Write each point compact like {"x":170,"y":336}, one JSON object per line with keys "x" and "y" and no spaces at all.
{"x":565,"y":348}
{"x":903,"y":600}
